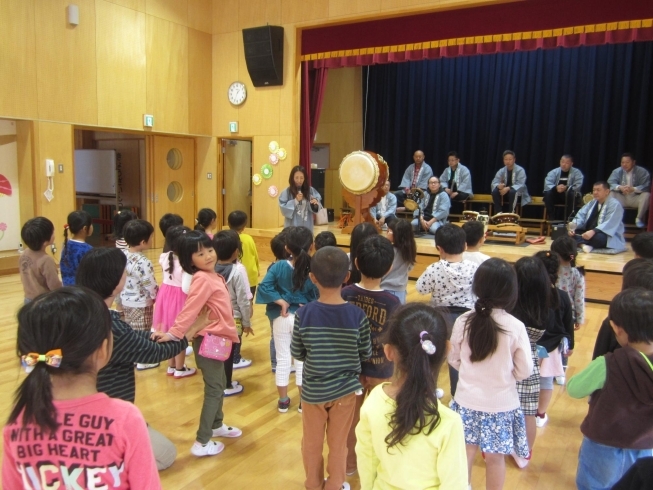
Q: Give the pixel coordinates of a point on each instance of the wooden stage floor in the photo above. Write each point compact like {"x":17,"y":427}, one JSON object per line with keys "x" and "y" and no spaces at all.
{"x":602,"y":272}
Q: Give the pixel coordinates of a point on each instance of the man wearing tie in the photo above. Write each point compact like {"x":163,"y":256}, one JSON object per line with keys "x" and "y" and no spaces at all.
{"x":599,"y":224}
{"x":561,"y":186}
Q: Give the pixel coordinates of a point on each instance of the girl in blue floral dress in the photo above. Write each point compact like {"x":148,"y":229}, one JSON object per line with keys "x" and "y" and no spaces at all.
{"x":491,"y":350}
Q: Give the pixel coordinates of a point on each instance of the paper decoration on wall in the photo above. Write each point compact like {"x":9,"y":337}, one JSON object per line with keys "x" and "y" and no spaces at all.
{"x":273,"y":146}
{"x":257,"y":179}
{"x":282,"y":153}
{"x":273,"y":191}
{"x":3,"y":228}
{"x":266,"y":171}
{"x":273,"y":158}
{"x":5,"y":187}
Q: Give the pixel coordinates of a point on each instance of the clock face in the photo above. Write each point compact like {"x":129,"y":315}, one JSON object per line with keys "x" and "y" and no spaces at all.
{"x":237,"y":93}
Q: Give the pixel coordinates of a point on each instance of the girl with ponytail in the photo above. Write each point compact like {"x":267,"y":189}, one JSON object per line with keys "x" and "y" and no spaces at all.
{"x":171,"y":297}
{"x":78,"y":227}
{"x":491,"y":350}
{"x":284,"y":289}
{"x":66,"y":337}
{"x":406,"y":437}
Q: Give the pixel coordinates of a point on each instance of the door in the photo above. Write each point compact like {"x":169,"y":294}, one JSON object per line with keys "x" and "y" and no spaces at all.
{"x":237,"y":185}
{"x":171,"y":181}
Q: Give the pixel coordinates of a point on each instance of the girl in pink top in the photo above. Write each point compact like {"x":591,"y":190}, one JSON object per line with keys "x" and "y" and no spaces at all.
{"x":171,"y":297}
{"x":491,"y":350}
{"x":61,"y":431}
{"x":208,"y":291}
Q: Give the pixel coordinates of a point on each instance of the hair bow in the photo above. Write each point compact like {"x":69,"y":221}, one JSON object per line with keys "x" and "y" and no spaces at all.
{"x":51,"y":358}
{"x":427,"y":345}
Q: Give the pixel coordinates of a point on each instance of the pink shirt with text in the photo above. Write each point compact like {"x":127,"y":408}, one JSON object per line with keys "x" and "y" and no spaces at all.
{"x":101,"y":443}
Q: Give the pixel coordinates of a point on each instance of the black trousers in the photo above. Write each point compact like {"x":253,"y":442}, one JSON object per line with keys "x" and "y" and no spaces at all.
{"x":462,"y":196}
{"x":553,"y":197}
{"x":599,"y":240}
{"x":388,"y":219}
{"x":504,"y":204}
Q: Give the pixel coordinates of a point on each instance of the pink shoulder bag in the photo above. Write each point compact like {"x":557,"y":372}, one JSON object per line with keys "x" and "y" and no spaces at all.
{"x":215,"y":347}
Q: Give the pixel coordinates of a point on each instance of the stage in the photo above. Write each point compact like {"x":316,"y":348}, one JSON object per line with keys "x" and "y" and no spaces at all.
{"x":602,"y":272}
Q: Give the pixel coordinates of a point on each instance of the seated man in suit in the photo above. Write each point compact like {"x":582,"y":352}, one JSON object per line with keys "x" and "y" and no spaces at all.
{"x":384,"y":212}
{"x":630,"y":185}
{"x":456,"y":179}
{"x":599,"y":223}
{"x":417,"y":175}
{"x":508,"y":184}
{"x":433,"y":209}
{"x":561,"y":186}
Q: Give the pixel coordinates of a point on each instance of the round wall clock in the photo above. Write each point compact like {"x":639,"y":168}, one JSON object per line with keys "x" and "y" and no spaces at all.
{"x":237,"y":93}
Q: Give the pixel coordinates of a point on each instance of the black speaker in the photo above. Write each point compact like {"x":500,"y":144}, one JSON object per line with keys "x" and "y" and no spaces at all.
{"x":264,"y":55}
{"x":558,"y":229}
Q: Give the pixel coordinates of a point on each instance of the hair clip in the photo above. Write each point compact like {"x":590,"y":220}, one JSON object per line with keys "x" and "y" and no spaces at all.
{"x":51,"y":358}
{"x":427,"y":345}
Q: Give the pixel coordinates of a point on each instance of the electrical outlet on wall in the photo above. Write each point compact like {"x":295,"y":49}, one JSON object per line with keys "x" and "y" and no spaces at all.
{"x":209,"y":176}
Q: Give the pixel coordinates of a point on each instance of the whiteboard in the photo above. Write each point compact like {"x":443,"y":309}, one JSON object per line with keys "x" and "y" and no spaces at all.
{"x":95,"y":172}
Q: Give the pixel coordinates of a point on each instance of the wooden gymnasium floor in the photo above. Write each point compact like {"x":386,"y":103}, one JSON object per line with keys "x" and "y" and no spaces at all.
{"x":268,"y":455}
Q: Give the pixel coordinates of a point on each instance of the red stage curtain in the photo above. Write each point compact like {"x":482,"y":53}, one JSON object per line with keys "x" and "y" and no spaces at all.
{"x":313,"y":84}
{"x":567,"y":41}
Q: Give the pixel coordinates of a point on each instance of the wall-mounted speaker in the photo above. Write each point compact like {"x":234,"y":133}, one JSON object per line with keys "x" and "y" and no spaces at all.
{"x":264,"y":55}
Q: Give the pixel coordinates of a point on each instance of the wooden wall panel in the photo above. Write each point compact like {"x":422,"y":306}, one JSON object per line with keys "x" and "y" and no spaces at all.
{"x":167,"y":75}
{"x":293,"y":11}
{"x":65,"y":63}
{"x":121,"y":66}
{"x":54,"y":140}
{"x":289,"y":95}
{"x":200,"y":15}
{"x":131,"y":4}
{"x":225,"y":16}
{"x":206,"y":191}
{"x":259,"y":13}
{"x":25,"y":155}
{"x":199,"y":82}
{"x":18,"y":96}
{"x":173,"y":10}
{"x":225,"y":71}
{"x":343,"y":8}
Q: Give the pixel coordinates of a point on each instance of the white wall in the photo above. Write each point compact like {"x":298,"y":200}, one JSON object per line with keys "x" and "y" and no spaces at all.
{"x":9,"y":204}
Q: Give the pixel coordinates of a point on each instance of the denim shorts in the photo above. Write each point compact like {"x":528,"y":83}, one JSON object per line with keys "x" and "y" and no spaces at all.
{"x":600,"y":467}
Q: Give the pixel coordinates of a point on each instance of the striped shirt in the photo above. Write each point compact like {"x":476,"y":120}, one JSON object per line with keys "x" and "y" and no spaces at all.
{"x":116,"y":379}
{"x":332,"y":340}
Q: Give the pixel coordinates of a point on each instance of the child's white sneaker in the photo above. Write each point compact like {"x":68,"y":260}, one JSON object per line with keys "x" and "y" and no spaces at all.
{"x":234,"y":390}
{"x":541,"y":421}
{"x":185,"y":372}
{"x":561,"y":380}
{"x":209,"y":449}
{"x":142,"y":367}
{"x":225,"y":431}
{"x":243,"y":363}
{"x":439,"y":393}
{"x":189,"y":350}
{"x":170,"y":371}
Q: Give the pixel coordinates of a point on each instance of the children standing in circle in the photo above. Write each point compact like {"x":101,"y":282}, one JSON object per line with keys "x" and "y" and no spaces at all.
{"x":38,"y":271}
{"x":80,"y":225}
{"x":558,"y":339}
{"x":400,"y":233}
{"x":284,"y":289}
{"x":206,"y":221}
{"x":66,"y":336}
{"x":406,"y":437}
{"x":171,"y":298}
{"x":207,"y":290}
{"x":571,"y":279}
{"x":535,"y":299}
{"x":489,"y":340}
{"x":120,"y":219}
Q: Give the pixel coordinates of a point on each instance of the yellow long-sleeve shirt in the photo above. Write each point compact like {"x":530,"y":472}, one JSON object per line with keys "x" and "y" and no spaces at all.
{"x":434,"y":461}
{"x":250,"y":258}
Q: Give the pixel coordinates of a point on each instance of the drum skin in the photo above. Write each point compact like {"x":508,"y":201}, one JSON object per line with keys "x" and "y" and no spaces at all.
{"x":362,"y":175}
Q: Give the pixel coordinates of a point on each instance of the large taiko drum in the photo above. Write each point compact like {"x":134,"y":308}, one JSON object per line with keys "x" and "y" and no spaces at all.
{"x":362,"y":171}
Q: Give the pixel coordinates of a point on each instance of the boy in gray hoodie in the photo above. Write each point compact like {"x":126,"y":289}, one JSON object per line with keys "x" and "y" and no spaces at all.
{"x":227,"y":247}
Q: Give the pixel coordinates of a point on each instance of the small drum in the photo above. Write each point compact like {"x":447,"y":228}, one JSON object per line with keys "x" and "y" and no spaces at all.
{"x":412,"y":199}
{"x":505,"y":218}
{"x":470,"y":216}
{"x":362,"y":171}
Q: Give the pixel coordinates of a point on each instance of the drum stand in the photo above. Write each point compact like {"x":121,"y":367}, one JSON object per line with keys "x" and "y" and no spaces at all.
{"x":518,"y":239}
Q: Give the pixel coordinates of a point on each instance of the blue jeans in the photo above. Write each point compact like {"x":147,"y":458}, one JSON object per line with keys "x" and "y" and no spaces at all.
{"x":600,"y":467}
{"x":432,"y":229}
{"x":399,"y":294}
